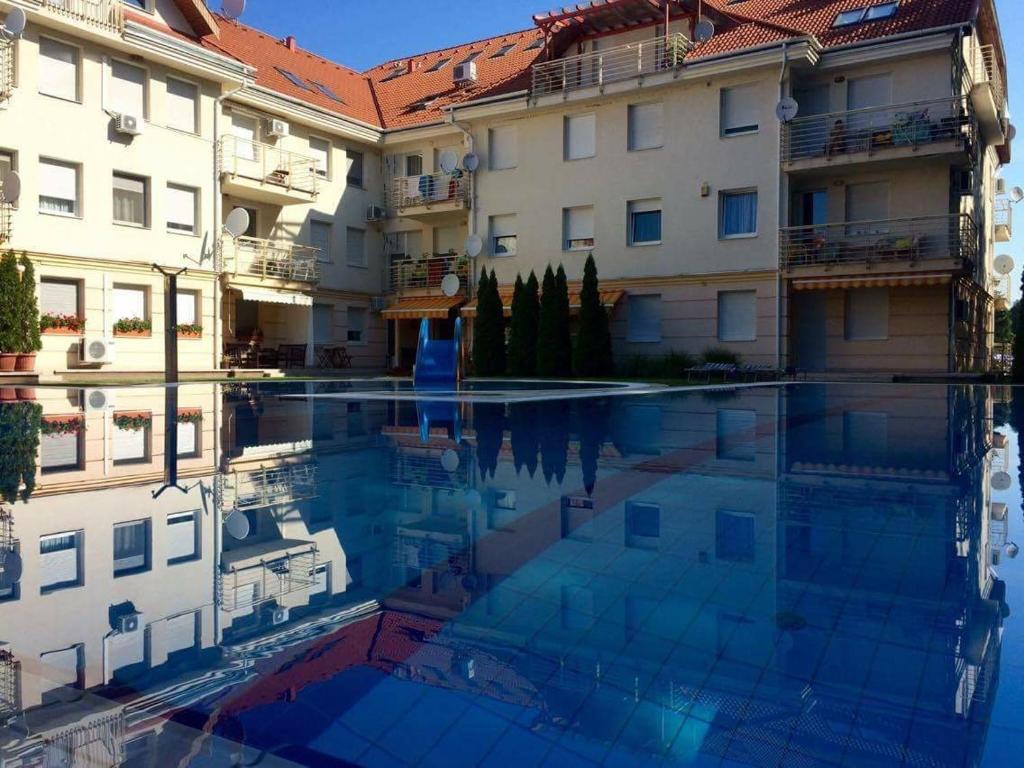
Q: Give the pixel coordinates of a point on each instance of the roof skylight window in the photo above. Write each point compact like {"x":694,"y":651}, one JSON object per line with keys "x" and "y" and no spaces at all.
{"x":864,"y":14}
{"x":470,"y":57}
{"x":883,"y":11}
{"x":439,"y":64}
{"x":326,"y":91}
{"x":503,"y":51}
{"x":293,"y":78}
{"x":535,"y":44}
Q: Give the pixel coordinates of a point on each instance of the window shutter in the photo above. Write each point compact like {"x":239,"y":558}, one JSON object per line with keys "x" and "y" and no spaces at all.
{"x":187,"y":442}
{"x":58,"y":559}
{"x":180,"y":632}
{"x":61,"y":667}
{"x":130,"y":444}
{"x":504,"y":144}
{"x":645,"y":125}
{"x":320,"y":151}
{"x":867,"y":202}
{"x":355,"y":247}
{"x":181,"y":209}
{"x":323,"y":323}
{"x":871,"y":91}
{"x":320,"y":237}
{"x":579,"y":223}
{"x":58,"y":69}
{"x":181,"y":533}
{"x":644,"y":319}
{"x":127,"y":89}
{"x":129,"y":302}
{"x":739,"y":109}
{"x":580,"y":136}
{"x":58,"y":180}
{"x":503,"y":226}
{"x":124,"y":650}
{"x":59,"y":451}
{"x":736,"y":434}
{"x":737,"y":315}
{"x":58,"y":297}
{"x":182,"y":105}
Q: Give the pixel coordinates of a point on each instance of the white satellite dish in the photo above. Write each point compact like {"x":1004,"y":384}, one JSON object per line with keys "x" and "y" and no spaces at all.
{"x":10,"y":187}
{"x":449,"y":460}
{"x":1017,"y":194}
{"x":471,"y":162}
{"x":237,"y":524}
{"x":704,"y":31}
{"x":11,"y":568}
{"x":232,"y":9}
{"x":1001,"y":481}
{"x":786,"y":109}
{"x":474,"y":246}
{"x":14,"y":24}
{"x":448,"y":161}
{"x":237,"y":222}
{"x":1011,"y":133}
{"x":450,"y":284}
{"x":1003,"y":264}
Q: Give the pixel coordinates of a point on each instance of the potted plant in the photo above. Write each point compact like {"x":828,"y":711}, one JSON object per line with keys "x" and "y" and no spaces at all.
{"x":19,"y":444}
{"x":53,"y":324}
{"x":133,"y":422}
{"x":132,"y":327}
{"x":63,"y":425}
{"x":189,"y":330}
{"x":10,"y":325}
{"x":190,"y":416}
{"x":28,"y":310}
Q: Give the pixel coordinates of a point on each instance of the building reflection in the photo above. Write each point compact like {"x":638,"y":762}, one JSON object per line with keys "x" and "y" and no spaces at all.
{"x":741,"y":574}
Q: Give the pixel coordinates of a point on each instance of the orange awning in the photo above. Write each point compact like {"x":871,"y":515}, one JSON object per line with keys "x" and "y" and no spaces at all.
{"x":423,"y":306}
{"x":872,"y":281}
{"x":608,"y":298}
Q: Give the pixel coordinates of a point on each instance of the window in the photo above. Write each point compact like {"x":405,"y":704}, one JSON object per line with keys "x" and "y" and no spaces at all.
{"x":320,"y":150}
{"x":182,"y":105}
{"x":61,"y":451}
{"x":737,"y":315}
{"x":869,"y":91}
{"x":867,"y":314}
{"x":320,"y":235}
{"x":357,"y":325}
{"x":865,"y":438}
{"x":578,"y":228}
{"x":644,"y":222}
{"x":503,"y":235}
{"x":504,"y":145}
{"x":245,"y":130}
{"x":328,"y":92}
{"x":439,"y":64}
{"x":355,"y":168}
{"x":58,"y":187}
{"x":64,"y":668}
{"x":187,"y":305}
{"x":734,"y":536}
{"x":882,"y":11}
{"x":6,"y":163}
{"x":60,"y":561}
{"x":131,"y":302}
{"x":355,"y":247}
{"x":181,"y":633}
{"x":867,"y":208}
{"x":127,"y":89}
{"x":735,"y":434}
{"x":535,"y":44}
{"x":871,"y":13}
{"x":142,"y":5}
{"x":644,"y":318}
{"x":580,"y":136}
{"x":182,"y":537}
{"x":323,"y":323}
{"x":470,"y":57}
{"x":645,"y":126}
{"x":182,"y":209}
{"x":60,"y":297}
{"x":58,"y":69}
{"x":503,"y":51}
{"x":413,"y":165}
{"x":739,"y":112}
{"x":131,"y":438}
{"x":131,"y":200}
{"x":188,"y":435}
{"x":643,"y":525}
{"x":292,"y":78}
{"x":131,"y":547}
{"x":737,"y":214}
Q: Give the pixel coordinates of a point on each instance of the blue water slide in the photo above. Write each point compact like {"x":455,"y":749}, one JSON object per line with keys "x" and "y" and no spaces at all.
{"x":437,"y":360}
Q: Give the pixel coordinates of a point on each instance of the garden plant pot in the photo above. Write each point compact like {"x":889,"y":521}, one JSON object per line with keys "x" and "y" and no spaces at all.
{"x":8,"y":361}
{"x":26,"y":362}
{"x":8,"y":394}
{"x":26,"y":393}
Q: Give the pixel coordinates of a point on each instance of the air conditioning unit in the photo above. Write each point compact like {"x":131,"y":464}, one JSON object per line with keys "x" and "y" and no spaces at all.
{"x":97,"y":350}
{"x":278,"y":615}
{"x":378,"y":303}
{"x":1000,"y":186}
{"x":129,"y":623}
{"x":98,"y":400}
{"x":375,"y":213}
{"x":130,"y":125}
{"x":465,"y":73}
{"x":278,"y":128}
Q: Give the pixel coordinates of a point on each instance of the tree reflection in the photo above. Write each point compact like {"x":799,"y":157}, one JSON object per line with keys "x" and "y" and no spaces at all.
{"x":523,"y":418}
{"x":489,"y":422}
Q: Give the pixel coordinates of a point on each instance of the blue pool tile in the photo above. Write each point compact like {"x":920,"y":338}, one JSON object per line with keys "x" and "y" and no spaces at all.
{"x":517,"y":747}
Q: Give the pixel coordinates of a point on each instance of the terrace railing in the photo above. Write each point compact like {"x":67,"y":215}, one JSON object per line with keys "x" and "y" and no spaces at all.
{"x":268,"y":164}
{"x":6,"y":70}
{"x":239,"y":588}
{"x":427,"y":272}
{"x":925,"y":238}
{"x":984,"y":68}
{"x":107,"y":14}
{"x":6,"y":209}
{"x":609,"y":65}
{"x":269,"y":259}
{"x":262,"y":488}
{"x":1002,"y":218}
{"x":428,"y":189}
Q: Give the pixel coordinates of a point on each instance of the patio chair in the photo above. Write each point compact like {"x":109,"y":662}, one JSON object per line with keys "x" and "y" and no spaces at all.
{"x":269,"y":357}
{"x":342,"y":359}
{"x":293,"y":356}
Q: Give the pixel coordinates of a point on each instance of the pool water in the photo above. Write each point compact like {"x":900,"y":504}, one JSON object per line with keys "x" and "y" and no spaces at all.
{"x":267,"y":574}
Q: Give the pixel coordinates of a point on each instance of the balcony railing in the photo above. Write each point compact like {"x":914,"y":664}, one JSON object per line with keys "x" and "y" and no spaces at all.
{"x":108,"y":14}
{"x":984,"y":68}
{"x":609,"y":65}
{"x":261,"y":488}
{"x":925,"y":238}
{"x":270,"y":578}
{"x":269,"y":260}
{"x":268,"y":165}
{"x":6,"y":70}
{"x":1002,"y":219}
{"x":5,"y":222}
{"x":877,"y":129}
{"x":428,"y":189}
{"x":427,"y":272}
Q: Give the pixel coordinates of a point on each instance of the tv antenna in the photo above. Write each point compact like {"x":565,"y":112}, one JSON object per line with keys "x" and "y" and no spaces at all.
{"x":704,"y":29}
{"x":474,"y":246}
{"x":787,"y":109}
{"x":448,"y":161}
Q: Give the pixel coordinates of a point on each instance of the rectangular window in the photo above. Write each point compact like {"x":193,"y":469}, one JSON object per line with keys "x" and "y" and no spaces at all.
{"x":504,"y":145}
{"x":578,"y":228}
{"x":182,"y":105}
{"x":321,"y":233}
{"x":734,"y":536}
{"x":320,"y":151}
{"x":739,"y":113}
{"x":735,"y":434}
{"x":645,"y":126}
{"x":869,"y":91}
{"x":245,"y":130}
{"x":355,"y":168}
{"x":737,"y":214}
{"x":131,"y":200}
{"x":182,"y":209}
{"x":357,"y":325}
{"x":503,"y":235}
{"x":867,"y":208}
{"x":187,"y":305}
{"x":644,"y":319}
{"x":643,"y":525}
{"x":61,"y":451}
{"x":737,"y":315}
{"x":355,"y":247}
{"x":58,"y":187}
{"x":867,"y":314}
{"x":64,"y":668}
{"x":180,"y":634}
{"x":182,"y":537}
{"x":644,"y":221}
{"x":323,"y":323}
{"x":413,"y":165}
{"x":127,"y":89}
{"x":865,"y":437}
{"x":60,"y":561}
{"x":189,"y":439}
{"x":131,"y":547}
{"x":439,"y":64}
{"x":60,"y":297}
{"x":58,"y":69}
{"x":6,"y":163}
{"x":580,"y":136}
{"x":131,"y":438}
{"x":131,"y":302}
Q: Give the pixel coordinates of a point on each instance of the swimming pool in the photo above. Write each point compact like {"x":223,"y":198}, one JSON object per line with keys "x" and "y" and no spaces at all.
{"x":796,"y":575}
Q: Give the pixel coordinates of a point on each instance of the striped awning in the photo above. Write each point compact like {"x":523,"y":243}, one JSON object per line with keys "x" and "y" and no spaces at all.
{"x":269,"y":296}
{"x":608,"y":298}
{"x":423,"y":306}
{"x":872,"y":281}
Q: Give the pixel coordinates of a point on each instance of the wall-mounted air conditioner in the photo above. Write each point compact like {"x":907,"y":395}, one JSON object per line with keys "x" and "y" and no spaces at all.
{"x":375,"y":213}
{"x":98,"y":400}
{"x":129,"y":125}
{"x":129,"y":623}
{"x":97,"y":350}
{"x":464,"y":73}
{"x":278,"y":128}
{"x":378,"y":303}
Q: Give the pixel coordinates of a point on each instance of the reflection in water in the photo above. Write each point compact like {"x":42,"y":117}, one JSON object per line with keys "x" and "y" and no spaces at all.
{"x":775,"y":576}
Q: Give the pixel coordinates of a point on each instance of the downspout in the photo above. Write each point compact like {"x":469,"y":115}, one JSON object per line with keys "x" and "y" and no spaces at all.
{"x":218,"y":332}
{"x":781,"y":221}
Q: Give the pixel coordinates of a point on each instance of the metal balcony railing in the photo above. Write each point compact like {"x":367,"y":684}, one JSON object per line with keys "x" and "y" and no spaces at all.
{"x":1002,"y":218}
{"x":99,"y":741}
{"x":984,"y":69}
{"x":270,"y":578}
{"x":6,"y":209}
{"x":269,"y":259}
{"x":267,"y":164}
{"x":261,"y":488}
{"x":428,"y":272}
{"x":923,"y":238}
{"x":428,"y":189}
{"x":6,"y":70}
{"x":876,"y":129}
{"x":609,"y":65}
{"x":108,"y":14}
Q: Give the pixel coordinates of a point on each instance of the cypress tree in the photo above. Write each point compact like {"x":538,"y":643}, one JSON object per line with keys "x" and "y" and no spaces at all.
{"x":547,"y":327}
{"x":592,"y":354}
{"x":29,"y":309}
{"x":531,"y":323}
{"x":482,"y":333}
{"x":498,"y":323}
{"x":516,"y":342}
{"x":10,"y":309}
{"x":563,"y":340}
{"x":1018,"y":343}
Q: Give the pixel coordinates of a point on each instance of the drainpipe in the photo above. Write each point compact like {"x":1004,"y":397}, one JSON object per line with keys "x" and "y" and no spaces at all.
{"x":218,"y":333}
{"x":782,"y":208}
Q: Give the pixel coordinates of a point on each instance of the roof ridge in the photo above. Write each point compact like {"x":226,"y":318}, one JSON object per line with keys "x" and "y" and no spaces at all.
{"x":443,"y":49}
{"x":736,"y":16}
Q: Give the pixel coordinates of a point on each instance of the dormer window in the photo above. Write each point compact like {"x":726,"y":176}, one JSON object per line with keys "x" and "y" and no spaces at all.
{"x":865,"y":14}
{"x":398,"y":71}
{"x":535,"y":44}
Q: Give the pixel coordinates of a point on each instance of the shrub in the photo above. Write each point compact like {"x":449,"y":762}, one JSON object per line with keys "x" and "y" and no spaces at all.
{"x":28,"y":309}
{"x":10,"y":325}
{"x":719,"y":355}
{"x":671,"y":366}
{"x":20,"y":424}
{"x":489,"y":329}
{"x":592,"y":354}
{"x":132,"y":325}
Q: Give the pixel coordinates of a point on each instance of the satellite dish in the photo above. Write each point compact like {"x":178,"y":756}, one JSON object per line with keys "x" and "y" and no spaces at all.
{"x":448,"y":161}
{"x":237,"y":525}
{"x":471,"y":162}
{"x":232,"y":9}
{"x":449,"y":460}
{"x":786,"y":109}
{"x":10,"y":568}
{"x":15,"y":22}
{"x":237,"y":222}
{"x":450,"y":284}
{"x":10,"y":187}
{"x":1012,"y":550}
{"x":1001,"y":481}
{"x":1003,"y":264}
{"x":1011,"y":133}
{"x":1017,"y":194}
{"x":704,"y":31}
{"x":474,"y":246}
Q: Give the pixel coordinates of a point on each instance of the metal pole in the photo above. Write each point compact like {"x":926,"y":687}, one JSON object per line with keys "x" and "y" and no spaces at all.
{"x":170,"y":321}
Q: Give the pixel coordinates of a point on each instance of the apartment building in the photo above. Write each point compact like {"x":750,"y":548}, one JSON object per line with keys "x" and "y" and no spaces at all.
{"x":818,"y":191}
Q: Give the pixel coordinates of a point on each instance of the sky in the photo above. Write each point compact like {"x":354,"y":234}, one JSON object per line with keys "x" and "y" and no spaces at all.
{"x":361,"y":33}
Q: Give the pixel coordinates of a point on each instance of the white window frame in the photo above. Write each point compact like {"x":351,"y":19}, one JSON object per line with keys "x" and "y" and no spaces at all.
{"x":582,"y":242}
{"x":145,"y":85}
{"x":78,"y":285}
{"x":361,"y":341}
{"x":173,"y":519}
{"x":147,"y":200}
{"x":726,"y":193}
{"x":498,"y":232}
{"x":197,"y":207}
{"x":725,"y":131}
{"x":567,"y":134}
{"x":196,"y":109}
{"x":632,"y":111}
{"x":197,"y":303}
{"x":327,"y":172}
{"x":650,"y":205}
{"x":77,"y":167}
{"x":146,"y":297}
{"x":77,"y":99}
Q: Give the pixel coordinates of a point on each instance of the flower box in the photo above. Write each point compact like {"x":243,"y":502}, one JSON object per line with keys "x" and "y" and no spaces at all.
{"x":61,"y":325}
{"x":190,"y":415}
{"x":133,"y":421}
{"x":133,"y":327}
{"x":132,"y":334}
{"x":63,"y":425}
{"x":62,"y":331}
{"x":190,"y":331}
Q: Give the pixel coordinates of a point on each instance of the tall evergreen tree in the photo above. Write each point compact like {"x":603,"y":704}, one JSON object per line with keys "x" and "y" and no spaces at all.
{"x":1018,"y":344}
{"x":489,"y":331}
{"x":547,"y":327}
{"x":516,"y":341}
{"x":563,"y":339}
{"x":531,"y":323}
{"x":29,"y":309}
{"x":592,"y":354}
{"x":498,"y":323}
{"x":10,"y":319}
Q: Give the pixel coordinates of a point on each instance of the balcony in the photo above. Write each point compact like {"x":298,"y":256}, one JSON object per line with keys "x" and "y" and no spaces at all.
{"x":6,"y":70}
{"x":266,"y":174}
{"x":621,"y":64}
{"x":936,"y":127}
{"x":429,"y":195}
{"x":264,"y":488}
{"x":107,"y":15}
{"x":264,"y":571}
{"x":6,"y":210}
{"x":425,"y":274}
{"x":253,"y":259}
{"x":924,"y":241}
{"x":988,"y":91}
{"x":1002,"y":220}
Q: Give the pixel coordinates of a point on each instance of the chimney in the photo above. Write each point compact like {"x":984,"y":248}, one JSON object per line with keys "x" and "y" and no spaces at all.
{"x":290,"y":42}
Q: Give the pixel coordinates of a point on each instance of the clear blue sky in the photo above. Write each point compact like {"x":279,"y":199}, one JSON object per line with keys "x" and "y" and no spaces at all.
{"x":360,"y":33}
